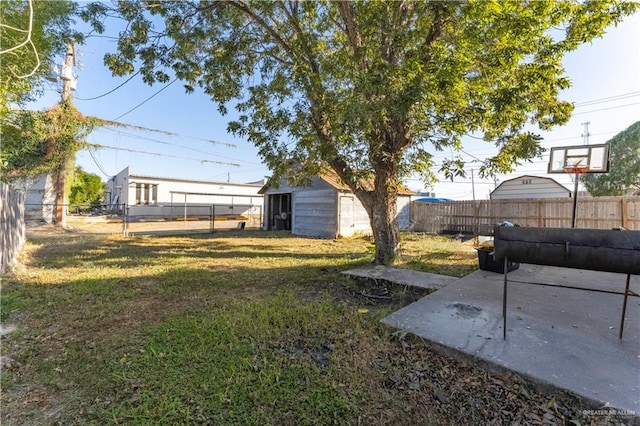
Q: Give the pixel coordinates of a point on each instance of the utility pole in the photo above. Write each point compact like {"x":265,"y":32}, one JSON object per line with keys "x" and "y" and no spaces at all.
{"x":69,"y":62}
{"x":473,"y":186}
{"x":59,"y":178}
{"x":585,"y":133}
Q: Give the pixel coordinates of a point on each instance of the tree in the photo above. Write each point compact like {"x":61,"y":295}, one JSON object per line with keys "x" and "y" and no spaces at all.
{"x":36,"y":142}
{"x":32,"y":35}
{"x":624,"y":167}
{"x":86,"y":190}
{"x":367,"y":88}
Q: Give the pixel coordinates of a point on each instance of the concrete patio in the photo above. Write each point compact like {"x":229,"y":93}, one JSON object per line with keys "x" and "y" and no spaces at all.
{"x":564,"y":337}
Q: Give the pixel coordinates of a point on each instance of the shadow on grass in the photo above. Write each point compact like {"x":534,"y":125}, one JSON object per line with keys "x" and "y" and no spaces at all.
{"x":139,"y":251}
{"x":186,"y":342}
{"x":178,"y":334}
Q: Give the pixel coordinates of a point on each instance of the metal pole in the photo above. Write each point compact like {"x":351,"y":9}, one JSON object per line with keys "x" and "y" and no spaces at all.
{"x":125,"y":213}
{"x":624,"y":306}
{"x":504,"y":300}
{"x":575,"y":202}
{"x":212,"y":211}
{"x":473,"y":186}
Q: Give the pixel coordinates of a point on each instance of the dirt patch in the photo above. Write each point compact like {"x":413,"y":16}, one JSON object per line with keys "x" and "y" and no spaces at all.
{"x":378,"y":293}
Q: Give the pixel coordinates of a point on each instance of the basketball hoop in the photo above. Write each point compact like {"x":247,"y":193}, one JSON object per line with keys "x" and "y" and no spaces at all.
{"x":576,"y":169}
{"x":578,"y":160}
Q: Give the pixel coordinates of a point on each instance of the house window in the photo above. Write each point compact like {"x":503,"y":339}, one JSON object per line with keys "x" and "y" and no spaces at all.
{"x":154,"y":195}
{"x":146,"y":193}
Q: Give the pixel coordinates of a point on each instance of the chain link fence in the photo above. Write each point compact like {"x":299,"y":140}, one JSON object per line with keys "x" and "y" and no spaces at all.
{"x":132,"y":220}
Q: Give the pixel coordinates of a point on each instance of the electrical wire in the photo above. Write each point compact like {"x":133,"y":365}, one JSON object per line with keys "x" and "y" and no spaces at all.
{"x":146,"y":100}
{"x":110,"y":91}
{"x":607,"y":99}
{"x":95,"y":160}
{"x":605,"y":109}
{"x":121,"y":133}
{"x":95,"y":145}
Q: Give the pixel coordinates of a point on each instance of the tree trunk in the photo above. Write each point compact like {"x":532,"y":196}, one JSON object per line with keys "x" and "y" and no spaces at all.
{"x":61,"y":202}
{"x":382,"y":206}
{"x":386,"y":232}
{"x":59,"y":216}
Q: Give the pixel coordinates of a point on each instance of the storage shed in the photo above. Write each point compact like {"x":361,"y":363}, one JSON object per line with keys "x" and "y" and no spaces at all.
{"x":325,"y":209}
{"x":529,"y":187}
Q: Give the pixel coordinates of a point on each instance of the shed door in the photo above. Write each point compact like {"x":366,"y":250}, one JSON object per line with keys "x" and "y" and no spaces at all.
{"x":279,"y":214}
{"x":347,"y":224}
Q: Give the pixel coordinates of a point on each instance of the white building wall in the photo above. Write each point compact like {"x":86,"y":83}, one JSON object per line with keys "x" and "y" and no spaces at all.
{"x":529,"y":187}
{"x":168,"y":197}
{"x":39,"y":198}
{"x":117,"y":189}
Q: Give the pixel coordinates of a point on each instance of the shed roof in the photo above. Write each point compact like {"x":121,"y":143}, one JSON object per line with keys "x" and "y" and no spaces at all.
{"x":550,"y":180}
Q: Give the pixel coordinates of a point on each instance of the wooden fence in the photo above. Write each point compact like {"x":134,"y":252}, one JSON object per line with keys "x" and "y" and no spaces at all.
{"x":12,"y":226}
{"x":478,"y":217}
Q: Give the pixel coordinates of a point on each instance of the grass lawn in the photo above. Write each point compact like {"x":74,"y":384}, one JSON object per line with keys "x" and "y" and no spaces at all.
{"x":237,"y":328}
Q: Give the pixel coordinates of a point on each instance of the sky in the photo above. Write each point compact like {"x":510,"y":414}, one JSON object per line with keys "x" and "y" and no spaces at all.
{"x":605,"y":76}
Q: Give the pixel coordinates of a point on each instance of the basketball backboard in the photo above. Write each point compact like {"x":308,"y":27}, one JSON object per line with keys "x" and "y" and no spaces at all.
{"x":585,"y":158}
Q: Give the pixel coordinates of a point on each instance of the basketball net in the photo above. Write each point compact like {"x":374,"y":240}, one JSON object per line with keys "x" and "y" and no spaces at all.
{"x":576,"y":169}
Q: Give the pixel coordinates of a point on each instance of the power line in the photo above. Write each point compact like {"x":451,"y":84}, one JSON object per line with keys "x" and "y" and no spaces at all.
{"x":146,"y":100}
{"x":176,"y":145}
{"x":165,"y":132}
{"x":95,"y":145}
{"x":95,"y":160}
{"x":110,"y":91}
{"x":605,"y":109}
{"x":607,"y":99}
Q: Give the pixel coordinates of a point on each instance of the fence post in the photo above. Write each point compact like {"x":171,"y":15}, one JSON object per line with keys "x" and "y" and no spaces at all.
{"x":213,"y":218}
{"x":540,"y":214}
{"x":476,"y":221}
{"x":624,"y":206}
{"x":125,"y":214}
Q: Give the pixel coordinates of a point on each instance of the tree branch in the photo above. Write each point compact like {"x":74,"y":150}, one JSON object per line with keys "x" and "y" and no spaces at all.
{"x":350,"y":26}
{"x":242,"y":7}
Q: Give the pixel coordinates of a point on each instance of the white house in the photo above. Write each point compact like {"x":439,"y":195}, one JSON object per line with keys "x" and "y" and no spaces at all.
{"x":152,"y":196}
{"x":529,"y":187}
{"x":326,"y":209}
